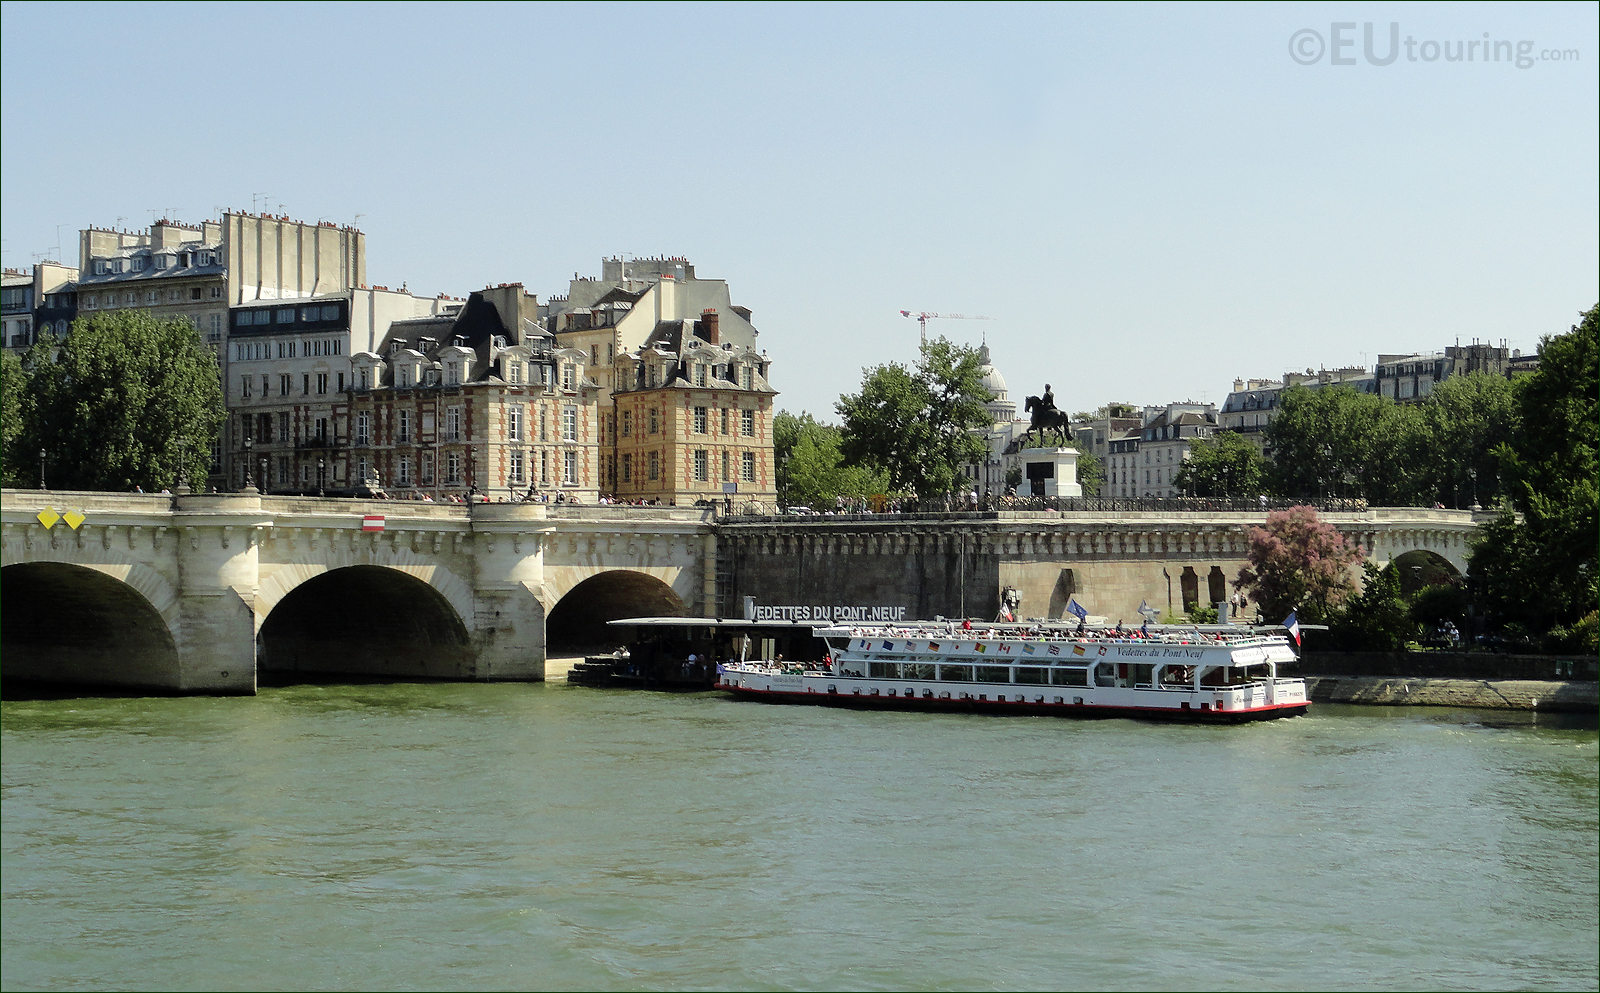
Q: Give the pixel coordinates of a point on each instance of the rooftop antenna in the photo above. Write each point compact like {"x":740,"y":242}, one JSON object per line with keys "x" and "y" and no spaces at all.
{"x":357,"y":222}
{"x":253,"y":198}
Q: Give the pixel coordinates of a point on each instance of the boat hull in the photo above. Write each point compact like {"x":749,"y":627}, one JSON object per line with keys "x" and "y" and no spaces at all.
{"x":794,"y":689}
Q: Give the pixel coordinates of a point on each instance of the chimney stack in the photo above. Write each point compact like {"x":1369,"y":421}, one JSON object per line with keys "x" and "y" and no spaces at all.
{"x":710,"y":327}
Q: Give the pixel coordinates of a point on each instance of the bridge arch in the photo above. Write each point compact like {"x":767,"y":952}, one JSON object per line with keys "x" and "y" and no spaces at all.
{"x":578,"y":620}
{"x":91,"y":624}
{"x":1422,"y":567}
{"x":363,"y":620}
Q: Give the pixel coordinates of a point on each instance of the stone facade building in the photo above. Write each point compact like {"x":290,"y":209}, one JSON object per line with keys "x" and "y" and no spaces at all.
{"x":479,"y":403}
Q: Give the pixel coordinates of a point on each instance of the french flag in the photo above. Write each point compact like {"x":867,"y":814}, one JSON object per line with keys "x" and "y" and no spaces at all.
{"x":1293,"y":624}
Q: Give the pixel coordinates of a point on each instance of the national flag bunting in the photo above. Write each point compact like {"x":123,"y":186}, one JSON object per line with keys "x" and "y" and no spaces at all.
{"x":372,"y":522}
{"x":981,"y":648}
{"x":1005,"y":648}
{"x":1078,"y":650}
{"x":1076,"y":609}
{"x":1028,"y":649}
{"x":933,"y":646}
{"x":888,"y":646}
{"x":1293,"y":624}
{"x":1055,"y":649}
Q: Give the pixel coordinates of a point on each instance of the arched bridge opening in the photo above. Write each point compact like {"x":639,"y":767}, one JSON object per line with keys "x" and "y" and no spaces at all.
{"x":364,"y":621}
{"x":578,"y":621}
{"x":1420,"y":568}
{"x":70,"y":625}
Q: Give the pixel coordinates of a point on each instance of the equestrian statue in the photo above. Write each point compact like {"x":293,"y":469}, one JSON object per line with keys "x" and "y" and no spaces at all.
{"x":1047,"y":418}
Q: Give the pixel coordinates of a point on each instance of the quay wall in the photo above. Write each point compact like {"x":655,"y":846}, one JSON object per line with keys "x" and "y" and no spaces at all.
{"x":1503,"y":694}
{"x":1449,"y":665}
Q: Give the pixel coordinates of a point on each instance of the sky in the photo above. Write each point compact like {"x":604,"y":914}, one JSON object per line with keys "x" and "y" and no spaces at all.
{"x":1146,"y":201}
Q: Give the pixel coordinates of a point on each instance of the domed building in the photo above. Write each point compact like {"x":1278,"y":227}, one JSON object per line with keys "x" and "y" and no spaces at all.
{"x":989,"y":478}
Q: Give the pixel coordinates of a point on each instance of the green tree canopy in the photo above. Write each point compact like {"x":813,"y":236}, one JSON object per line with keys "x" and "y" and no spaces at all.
{"x":1536,"y":564}
{"x":1091,"y":471}
{"x":125,"y":400}
{"x":13,"y":403}
{"x":1461,"y":425}
{"x":1334,"y":441}
{"x":1299,"y":562}
{"x":914,"y":424}
{"x":1224,"y":465}
{"x":814,"y":473}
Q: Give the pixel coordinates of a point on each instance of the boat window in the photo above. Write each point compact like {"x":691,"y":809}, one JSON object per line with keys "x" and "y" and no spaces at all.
{"x":883,"y":670}
{"x":994,"y":674}
{"x":956,"y":673}
{"x":916,"y":670}
{"x":1069,"y":677}
{"x":1032,"y":675}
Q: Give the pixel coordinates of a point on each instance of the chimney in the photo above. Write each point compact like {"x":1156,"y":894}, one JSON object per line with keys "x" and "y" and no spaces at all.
{"x":710,"y":328}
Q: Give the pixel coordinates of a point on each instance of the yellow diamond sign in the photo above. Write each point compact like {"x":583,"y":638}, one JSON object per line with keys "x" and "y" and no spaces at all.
{"x":48,"y":517}
{"x":73,"y":519}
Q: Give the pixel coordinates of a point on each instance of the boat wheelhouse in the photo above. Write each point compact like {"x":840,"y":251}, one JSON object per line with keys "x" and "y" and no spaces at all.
{"x":1220,"y":673}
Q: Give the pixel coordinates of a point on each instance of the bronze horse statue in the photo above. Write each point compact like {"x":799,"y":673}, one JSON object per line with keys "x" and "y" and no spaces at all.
{"x":1047,"y":419}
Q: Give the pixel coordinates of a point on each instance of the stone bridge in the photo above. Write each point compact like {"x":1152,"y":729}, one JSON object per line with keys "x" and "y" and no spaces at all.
{"x":956,"y":565}
{"x":189,"y":592}
{"x":205,"y":592}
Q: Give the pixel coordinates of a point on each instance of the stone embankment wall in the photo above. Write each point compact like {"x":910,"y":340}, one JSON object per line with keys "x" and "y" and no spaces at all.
{"x":1447,"y":665}
{"x":1451,"y":679}
{"x":1501,"y":694}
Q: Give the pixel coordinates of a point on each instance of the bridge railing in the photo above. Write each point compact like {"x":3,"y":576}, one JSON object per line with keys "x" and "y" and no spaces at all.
{"x":996,"y":508}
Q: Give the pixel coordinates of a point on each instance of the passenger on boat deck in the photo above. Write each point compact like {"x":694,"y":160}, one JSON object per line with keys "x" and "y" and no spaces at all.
{"x":966,"y":624}
{"x":1083,"y":628}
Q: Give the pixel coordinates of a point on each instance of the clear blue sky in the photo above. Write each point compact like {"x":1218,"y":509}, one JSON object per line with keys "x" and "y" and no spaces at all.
{"x":1148,"y":200}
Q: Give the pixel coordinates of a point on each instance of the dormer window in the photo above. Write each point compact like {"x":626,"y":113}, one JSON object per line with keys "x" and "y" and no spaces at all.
{"x":139,"y":264}
{"x":452,"y":373}
{"x":514,"y":373}
{"x":404,"y":374}
{"x":568,"y":376}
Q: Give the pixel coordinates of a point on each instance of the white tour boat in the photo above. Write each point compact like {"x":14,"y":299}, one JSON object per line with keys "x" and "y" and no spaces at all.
{"x":1189,"y":673}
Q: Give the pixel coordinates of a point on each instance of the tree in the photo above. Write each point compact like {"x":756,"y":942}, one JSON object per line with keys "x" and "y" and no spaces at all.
{"x":1535,"y":565}
{"x":813,"y":468}
{"x":1224,"y":465}
{"x":1091,"y":472}
{"x":13,"y":403}
{"x":915,"y":424}
{"x":1462,"y":423}
{"x":1333,"y":441}
{"x":125,"y":400}
{"x":1298,"y":562}
{"x":1377,"y":618}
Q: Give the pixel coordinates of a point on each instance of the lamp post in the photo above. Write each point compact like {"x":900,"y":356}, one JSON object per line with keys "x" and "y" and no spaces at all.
{"x":42,"y":454}
{"x":249,"y":443}
{"x":261,"y":481}
{"x":783,"y":484}
{"x":1472,"y":474}
{"x":321,"y":467}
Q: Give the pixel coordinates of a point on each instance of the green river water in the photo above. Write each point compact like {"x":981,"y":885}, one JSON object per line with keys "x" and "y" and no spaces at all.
{"x":453,"y":836}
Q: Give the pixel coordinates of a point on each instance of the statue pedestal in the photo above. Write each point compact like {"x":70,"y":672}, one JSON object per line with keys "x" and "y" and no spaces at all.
{"x":1050,"y":472}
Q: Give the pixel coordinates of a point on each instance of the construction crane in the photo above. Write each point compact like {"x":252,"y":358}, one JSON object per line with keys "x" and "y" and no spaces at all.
{"x":922,"y":320}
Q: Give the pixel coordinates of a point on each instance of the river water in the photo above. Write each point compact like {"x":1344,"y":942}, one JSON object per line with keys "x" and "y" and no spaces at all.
{"x":457,"y":836}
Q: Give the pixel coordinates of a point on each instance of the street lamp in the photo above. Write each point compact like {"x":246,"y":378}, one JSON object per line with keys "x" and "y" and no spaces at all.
{"x":1473,"y":475}
{"x":42,"y":454}
{"x":783,"y":483}
{"x":249,"y":443}
{"x":321,"y":465}
{"x":262,"y":479}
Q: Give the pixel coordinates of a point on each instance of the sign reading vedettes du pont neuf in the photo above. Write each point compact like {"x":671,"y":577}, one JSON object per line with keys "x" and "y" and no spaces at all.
{"x":827,"y":614}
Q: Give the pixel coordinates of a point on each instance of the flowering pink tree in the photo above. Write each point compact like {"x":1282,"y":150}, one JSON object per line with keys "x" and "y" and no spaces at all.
{"x":1298,"y":562}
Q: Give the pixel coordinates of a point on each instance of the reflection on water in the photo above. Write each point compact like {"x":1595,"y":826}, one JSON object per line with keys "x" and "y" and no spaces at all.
{"x":461,"y":836}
